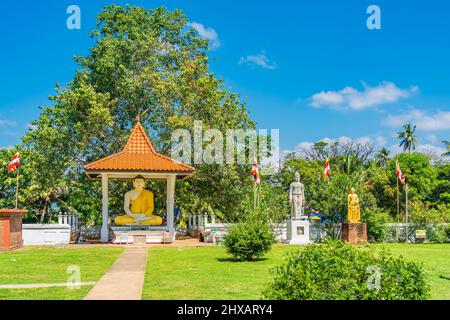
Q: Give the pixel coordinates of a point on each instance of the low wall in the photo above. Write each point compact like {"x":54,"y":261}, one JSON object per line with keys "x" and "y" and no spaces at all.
{"x":45,"y":234}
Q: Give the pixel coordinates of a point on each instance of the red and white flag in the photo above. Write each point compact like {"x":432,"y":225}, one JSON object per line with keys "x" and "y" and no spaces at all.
{"x":15,"y":163}
{"x":399,"y":174}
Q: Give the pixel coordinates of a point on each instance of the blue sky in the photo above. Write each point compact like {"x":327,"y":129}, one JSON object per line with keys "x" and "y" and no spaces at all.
{"x":309,"y":68}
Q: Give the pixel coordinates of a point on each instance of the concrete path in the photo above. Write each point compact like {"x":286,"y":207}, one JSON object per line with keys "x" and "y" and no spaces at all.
{"x":125,"y":279}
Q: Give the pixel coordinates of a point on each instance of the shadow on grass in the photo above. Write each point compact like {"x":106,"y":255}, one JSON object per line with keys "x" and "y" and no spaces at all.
{"x":228,"y":259}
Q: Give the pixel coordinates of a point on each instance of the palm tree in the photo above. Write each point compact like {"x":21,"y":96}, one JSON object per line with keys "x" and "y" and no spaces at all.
{"x":408,"y":137}
{"x":382,"y":157}
{"x":447,"y":144}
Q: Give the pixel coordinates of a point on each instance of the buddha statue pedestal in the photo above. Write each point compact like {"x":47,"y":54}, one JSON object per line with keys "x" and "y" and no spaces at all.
{"x":297,"y":231}
{"x":354,"y":233}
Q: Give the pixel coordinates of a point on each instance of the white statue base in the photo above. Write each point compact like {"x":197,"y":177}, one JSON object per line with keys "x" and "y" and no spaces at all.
{"x":297,"y":231}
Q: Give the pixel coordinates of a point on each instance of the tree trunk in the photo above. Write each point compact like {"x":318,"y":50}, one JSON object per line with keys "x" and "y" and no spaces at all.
{"x":43,"y":212}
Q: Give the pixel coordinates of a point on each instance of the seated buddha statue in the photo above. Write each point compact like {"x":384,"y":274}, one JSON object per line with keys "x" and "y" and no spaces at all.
{"x":138,"y":206}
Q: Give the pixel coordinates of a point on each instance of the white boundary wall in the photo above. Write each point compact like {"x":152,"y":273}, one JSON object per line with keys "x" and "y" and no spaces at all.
{"x":46,"y":234}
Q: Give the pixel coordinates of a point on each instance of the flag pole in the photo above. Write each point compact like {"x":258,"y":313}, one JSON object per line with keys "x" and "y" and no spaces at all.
{"x":17,"y":188}
{"x":398,"y":197}
{"x":406,"y":211}
{"x":254,"y":198}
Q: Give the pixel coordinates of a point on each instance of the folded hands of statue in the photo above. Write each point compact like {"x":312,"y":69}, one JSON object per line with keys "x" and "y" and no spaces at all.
{"x":138,"y":216}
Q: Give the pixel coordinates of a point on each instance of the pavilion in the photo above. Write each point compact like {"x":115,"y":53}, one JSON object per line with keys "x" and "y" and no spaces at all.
{"x":138,"y":158}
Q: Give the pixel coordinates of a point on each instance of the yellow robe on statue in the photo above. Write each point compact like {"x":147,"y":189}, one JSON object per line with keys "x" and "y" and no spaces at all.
{"x":143,"y":204}
{"x":354,"y":215}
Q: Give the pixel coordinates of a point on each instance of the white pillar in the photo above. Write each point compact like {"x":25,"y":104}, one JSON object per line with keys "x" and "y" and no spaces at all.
{"x":65,"y":219}
{"x":213,"y":218}
{"x":170,"y":202}
{"x":105,"y":228}
{"x":60,"y":220}
{"x":205,"y":219}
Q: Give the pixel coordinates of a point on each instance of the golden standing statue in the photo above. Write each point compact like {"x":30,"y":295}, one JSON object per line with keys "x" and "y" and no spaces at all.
{"x":354,"y":214}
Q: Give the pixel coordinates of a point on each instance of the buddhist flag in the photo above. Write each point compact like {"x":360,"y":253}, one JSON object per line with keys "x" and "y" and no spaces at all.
{"x":399,"y":173}
{"x":327,"y":171}
{"x":255,"y":172}
{"x":15,"y":163}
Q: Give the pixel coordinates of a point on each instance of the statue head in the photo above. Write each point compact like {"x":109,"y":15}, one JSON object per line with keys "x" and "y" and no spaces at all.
{"x":352,"y":190}
{"x":139,"y":183}
{"x":297,"y":176}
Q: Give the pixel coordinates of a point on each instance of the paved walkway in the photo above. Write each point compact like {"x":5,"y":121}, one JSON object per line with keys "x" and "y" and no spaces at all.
{"x":125,"y":279}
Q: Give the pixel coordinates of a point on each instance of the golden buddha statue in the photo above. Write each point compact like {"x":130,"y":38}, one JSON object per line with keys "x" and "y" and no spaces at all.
{"x":354,"y":215}
{"x":138,"y":206}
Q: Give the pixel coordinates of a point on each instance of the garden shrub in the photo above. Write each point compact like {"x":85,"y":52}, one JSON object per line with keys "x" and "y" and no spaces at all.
{"x":249,"y":240}
{"x":447,"y":231}
{"x":338,"y":271}
{"x":437,"y":234}
{"x":376,"y":225}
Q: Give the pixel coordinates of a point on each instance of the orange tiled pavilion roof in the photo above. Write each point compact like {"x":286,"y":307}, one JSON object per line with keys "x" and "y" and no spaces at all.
{"x":138,"y":155}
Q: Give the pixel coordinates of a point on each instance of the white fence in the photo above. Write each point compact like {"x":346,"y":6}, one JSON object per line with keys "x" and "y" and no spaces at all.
{"x":45,"y":234}
{"x":50,"y":234}
{"x":209,"y":222}
{"x":70,"y":219}
{"x":317,"y":231}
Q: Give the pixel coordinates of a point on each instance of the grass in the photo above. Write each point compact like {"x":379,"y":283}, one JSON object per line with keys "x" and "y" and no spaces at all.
{"x":435,"y":259}
{"x":207,"y":273}
{"x":182,"y":273}
{"x":34,"y":265}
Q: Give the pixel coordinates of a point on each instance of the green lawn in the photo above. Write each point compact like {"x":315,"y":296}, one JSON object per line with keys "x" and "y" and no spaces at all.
{"x":206,"y":273}
{"x":32,"y":265}
{"x":181,"y":273}
{"x":435,"y":259}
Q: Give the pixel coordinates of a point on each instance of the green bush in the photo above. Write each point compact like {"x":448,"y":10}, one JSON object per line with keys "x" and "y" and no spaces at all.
{"x":338,"y":271}
{"x":249,"y":240}
{"x":438,"y":234}
{"x":376,"y":225}
{"x":447,"y":231}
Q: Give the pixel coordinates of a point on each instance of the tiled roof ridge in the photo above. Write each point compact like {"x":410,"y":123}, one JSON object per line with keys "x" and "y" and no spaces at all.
{"x":138,"y":144}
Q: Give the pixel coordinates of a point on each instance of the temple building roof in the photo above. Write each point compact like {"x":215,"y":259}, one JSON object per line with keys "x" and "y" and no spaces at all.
{"x":138,"y":155}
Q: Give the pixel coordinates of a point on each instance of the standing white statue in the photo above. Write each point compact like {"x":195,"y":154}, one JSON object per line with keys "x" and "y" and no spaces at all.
{"x":296,"y":197}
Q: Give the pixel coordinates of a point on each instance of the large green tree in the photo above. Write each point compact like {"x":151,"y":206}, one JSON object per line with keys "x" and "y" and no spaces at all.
{"x":148,"y":66}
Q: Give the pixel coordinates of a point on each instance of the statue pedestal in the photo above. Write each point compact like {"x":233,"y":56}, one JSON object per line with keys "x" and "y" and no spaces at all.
{"x":297,"y":231}
{"x":354,"y":233}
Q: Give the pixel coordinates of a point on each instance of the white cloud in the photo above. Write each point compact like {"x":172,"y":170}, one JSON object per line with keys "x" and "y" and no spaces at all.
{"x":306,"y":145}
{"x":207,"y":33}
{"x":426,"y":122}
{"x":350,"y":98}
{"x":7,"y":123}
{"x":432,"y":138}
{"x":260,"y":60}
{"x":380,"y":141}
{"x":432,"y":151}
{"x":31,"y":127}
{"x":377,"y":141}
